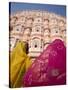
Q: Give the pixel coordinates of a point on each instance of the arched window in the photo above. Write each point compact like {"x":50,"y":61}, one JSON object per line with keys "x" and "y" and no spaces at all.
{"x":36,"y":43}
{"x":38,"y":20}
{"x":18,"y":29}
{"x":55,"y":31}
{"x":38,"y":29}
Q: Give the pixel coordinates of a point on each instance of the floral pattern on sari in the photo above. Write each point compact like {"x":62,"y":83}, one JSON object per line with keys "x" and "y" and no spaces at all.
{"x":49,"y":67}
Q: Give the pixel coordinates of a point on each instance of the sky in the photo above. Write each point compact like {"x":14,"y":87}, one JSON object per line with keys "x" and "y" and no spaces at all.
{"x":16,"y":6}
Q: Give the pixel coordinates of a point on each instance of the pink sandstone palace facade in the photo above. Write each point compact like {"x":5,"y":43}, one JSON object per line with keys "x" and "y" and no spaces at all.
{"x":37,"y":28}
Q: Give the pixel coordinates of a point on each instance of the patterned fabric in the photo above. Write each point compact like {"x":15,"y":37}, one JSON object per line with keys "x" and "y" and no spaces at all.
{"x":49,"y":68}
{"x":19,"y":64}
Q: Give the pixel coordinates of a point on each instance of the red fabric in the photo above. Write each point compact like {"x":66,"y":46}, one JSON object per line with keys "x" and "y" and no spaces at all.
{"x":49,"y":68}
